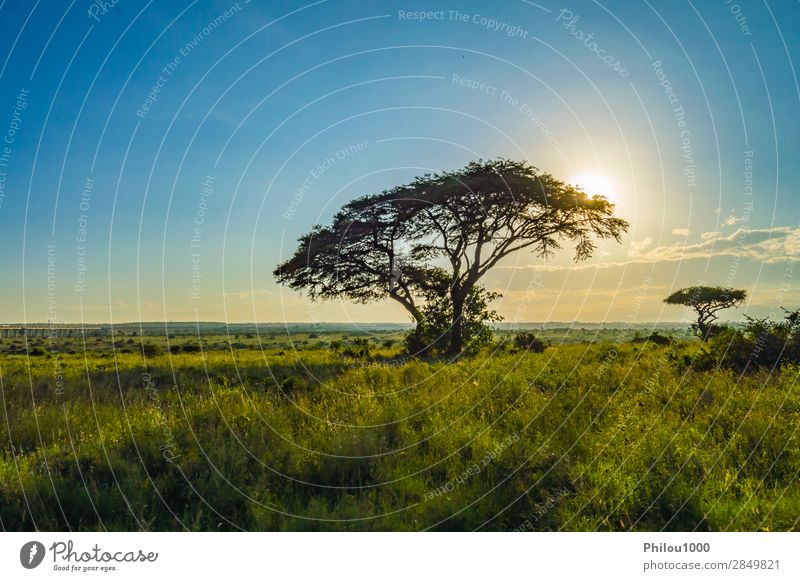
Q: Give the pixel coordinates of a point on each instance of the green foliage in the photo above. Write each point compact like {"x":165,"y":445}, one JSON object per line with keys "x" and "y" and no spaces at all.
{"x":527,"y":341}
{"x":655,"y":337}
{"x":433,"y":333}
{"x":360,"y":348}
{"x":760,"y":343}
{"x":607,"y":437}
{"x":389,"y":245}
{"x":707,"y":301}
{"x":152,"y":350}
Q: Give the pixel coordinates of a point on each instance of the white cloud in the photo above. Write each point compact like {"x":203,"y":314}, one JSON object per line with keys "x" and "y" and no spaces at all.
{"x":681,"y":232}
{"x":770,"y":245}
{"x":637,"y":247}
{"x":767,"y":245}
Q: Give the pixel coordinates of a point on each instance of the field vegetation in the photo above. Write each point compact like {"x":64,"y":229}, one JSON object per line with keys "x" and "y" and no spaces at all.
{"x":341,"y":432}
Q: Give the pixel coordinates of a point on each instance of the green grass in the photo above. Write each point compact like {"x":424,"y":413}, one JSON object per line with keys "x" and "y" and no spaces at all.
{"x":581,"y":437}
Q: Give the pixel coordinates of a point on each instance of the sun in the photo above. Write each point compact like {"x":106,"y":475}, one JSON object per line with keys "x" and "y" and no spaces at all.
{"x":594,"y":184}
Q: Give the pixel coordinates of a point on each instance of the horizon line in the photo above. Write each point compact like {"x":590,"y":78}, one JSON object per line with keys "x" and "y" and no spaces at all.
{"x":212,"y":322}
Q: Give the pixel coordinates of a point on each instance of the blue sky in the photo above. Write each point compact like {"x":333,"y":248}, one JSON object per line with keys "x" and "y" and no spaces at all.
{"x":164,"y":156}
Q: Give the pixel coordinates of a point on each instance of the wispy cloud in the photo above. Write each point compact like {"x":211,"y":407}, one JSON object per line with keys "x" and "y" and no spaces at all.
{"x":731,"y":220}
{"x":768,"y":245}
{"x":681,"y":232}
{"x":639,"y":246}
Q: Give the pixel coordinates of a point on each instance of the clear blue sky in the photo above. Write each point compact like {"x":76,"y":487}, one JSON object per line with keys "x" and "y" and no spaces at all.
{"x":210,"y":120}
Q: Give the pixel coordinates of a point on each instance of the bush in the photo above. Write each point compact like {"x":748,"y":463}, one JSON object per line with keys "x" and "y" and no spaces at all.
{"x":291,"y":383}
{"x":431,"y":337}
{"x":359,"y":348}
{"x":760,"y":343}
{"x":526,"y":341}
{"x":152,"y":350}
{"x":37,"y":352}
{"x":655,"y":337}
{"x":426,"y":339}
{"x":433,"y":333}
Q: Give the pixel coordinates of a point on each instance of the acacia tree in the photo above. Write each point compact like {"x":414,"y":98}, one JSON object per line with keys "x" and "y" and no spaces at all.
{"x":357,"y":257}
{"x":392,"y":244}
{"x":707,"y":301}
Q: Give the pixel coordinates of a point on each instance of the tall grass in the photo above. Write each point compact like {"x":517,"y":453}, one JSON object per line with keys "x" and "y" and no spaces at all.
{"x":579,"y":437}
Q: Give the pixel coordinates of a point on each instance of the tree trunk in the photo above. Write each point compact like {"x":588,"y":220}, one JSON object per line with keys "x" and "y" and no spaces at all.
{"x":456,"y":327}
{"x":704,"y":327}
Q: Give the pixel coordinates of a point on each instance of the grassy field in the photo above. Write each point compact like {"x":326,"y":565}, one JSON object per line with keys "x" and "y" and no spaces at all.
{"x":609,"y":435}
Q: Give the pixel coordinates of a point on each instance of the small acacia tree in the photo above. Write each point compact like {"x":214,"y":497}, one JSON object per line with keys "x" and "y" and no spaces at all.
{"x":449,"y":228}
{"x":707,"y":301}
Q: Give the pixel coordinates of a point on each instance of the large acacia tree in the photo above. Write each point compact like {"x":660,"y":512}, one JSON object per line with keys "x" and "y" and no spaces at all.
{"x":391,"y":244}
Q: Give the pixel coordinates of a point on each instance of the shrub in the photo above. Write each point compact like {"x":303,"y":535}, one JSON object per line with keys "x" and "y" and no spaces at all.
{"x":655,"y":337}
{"x":526,"y":341}
{"x":152,"y":350}
{"x":291,"y":384}
{"x":435,"y":331}
{"x":360,"y":348}
{"x":37,"y":352}
{"x":760,"y":343}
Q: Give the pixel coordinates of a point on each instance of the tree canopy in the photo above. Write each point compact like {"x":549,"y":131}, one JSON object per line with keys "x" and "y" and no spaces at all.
{"x":457,"y":225}
{"x":707,"y":301}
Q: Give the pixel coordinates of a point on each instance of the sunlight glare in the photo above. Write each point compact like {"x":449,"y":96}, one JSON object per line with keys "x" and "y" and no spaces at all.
{"x":594,"y":184}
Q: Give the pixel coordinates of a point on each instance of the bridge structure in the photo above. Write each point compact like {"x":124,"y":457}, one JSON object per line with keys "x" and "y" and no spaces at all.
{"x":49,"y":330}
